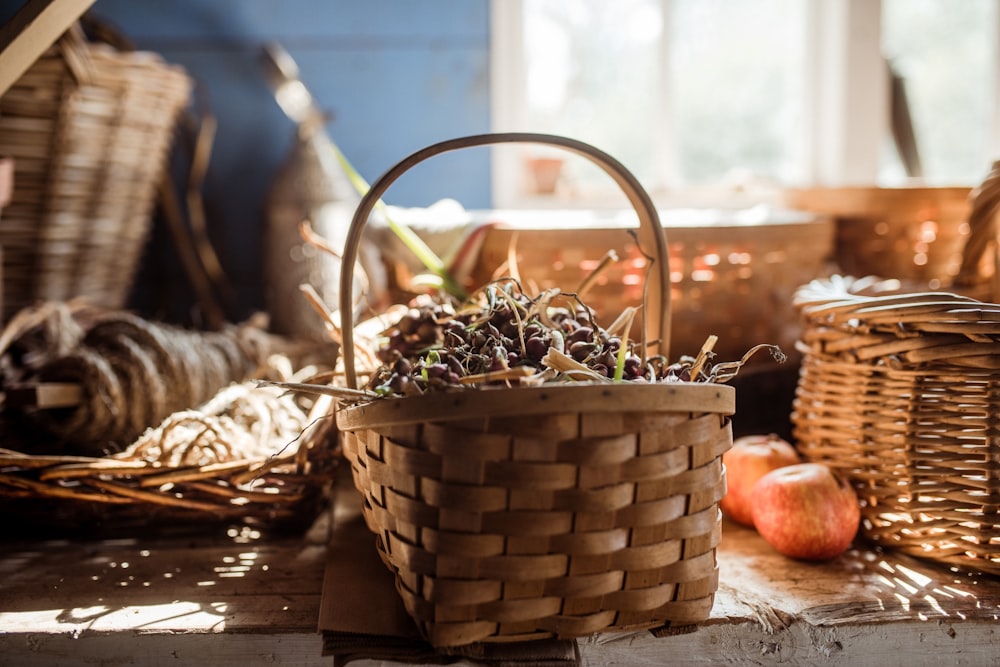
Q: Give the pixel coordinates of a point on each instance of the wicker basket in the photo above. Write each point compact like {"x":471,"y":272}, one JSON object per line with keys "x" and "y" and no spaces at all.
{"x":901,"y":393}
{"x":979,"y":273}
{"x":185,"y":475}
{"x":912,"y":234}
{"x":733,"y":272}
{"x":113,"y":425}
{"x":89,"y":130}
{"x":551,"y":511}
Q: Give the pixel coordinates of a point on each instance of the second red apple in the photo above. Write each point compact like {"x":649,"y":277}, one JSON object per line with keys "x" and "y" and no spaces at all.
{"x":749,"y":459}
{"x":806,"y":511}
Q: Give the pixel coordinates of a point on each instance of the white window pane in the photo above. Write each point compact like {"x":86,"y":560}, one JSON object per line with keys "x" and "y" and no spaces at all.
{"x":947,"y":55}
{"x":591,"y":73}
{"x":736,"y":69}
{"x":707,"y":92}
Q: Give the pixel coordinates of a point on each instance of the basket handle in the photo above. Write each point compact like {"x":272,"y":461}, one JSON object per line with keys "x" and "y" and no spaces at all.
{"x":651,"y":233}
{"x":985,"y":206}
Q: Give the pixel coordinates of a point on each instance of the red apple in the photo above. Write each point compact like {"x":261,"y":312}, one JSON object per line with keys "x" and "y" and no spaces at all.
{"x":749,"y":459}
{"x":806,"y":511}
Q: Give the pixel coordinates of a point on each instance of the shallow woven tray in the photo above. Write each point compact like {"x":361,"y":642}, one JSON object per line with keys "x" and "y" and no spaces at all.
{"x":112,"y":424}
{"x":552,"y":511}
{"x":150,"y":489}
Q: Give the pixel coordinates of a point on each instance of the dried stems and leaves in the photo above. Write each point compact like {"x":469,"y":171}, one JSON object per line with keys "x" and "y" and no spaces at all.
{"x":502,"y":336}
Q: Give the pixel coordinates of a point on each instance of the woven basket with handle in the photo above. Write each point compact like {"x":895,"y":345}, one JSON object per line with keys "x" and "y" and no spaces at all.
{"x":89,"y":128}
{"x":901,"y":394}
{"x":550,"y":511}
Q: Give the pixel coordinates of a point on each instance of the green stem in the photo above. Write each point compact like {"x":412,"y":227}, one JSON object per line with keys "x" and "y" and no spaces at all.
{"x":620,"y":361}
{"x":623,"y":348}
{"x":409,"y":238}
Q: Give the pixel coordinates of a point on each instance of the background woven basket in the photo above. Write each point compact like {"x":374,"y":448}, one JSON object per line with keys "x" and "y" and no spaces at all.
{"x":89,"y":130}
{"x":914,"y":234}
{"x":733,"y":275}
{"x":552,"y":511}
{"x":901,"y":393}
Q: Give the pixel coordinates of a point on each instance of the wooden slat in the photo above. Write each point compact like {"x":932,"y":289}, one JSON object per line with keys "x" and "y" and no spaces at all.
{"x":35,"y":27}
{"x":45,"y":395}
{"x":700,"y":397}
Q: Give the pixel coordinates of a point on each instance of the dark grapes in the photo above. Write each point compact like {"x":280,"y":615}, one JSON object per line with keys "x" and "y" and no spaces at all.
{"x":438,"y":342}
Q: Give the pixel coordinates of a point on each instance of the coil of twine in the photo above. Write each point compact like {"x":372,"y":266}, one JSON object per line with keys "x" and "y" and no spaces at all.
{"x":133,"y":373}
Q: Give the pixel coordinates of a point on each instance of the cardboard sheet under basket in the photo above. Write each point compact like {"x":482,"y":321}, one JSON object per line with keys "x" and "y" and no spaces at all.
{"x":362,"y":616}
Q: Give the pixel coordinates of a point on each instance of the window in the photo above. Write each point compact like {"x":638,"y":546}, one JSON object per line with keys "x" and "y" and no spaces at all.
{"x":946,"y":52}
{"x":715,"y":97}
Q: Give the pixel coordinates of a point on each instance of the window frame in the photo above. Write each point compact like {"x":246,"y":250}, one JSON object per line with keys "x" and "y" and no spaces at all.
{"x":846,"y":107}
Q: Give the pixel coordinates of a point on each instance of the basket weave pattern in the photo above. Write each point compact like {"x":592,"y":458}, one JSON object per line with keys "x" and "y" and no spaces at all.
{"x":901,"y":393}
{"x":557,"y":524}
{"x":89,"y":129}
{"x":561,"y":510}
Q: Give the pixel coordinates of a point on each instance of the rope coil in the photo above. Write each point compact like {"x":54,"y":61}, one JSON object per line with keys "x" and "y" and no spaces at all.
{"x":132,"y":373}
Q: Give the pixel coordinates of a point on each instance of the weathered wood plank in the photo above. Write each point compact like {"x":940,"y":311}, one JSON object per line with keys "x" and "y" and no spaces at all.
{"x":201,"y":584}
{"x":250,"y":600}
{"x":165,"y":649}
{"x":860,"y":587}
{"x":910,"y":643}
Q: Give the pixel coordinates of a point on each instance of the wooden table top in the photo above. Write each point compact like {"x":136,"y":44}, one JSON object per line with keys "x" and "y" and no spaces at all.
{"x":244,"y":598}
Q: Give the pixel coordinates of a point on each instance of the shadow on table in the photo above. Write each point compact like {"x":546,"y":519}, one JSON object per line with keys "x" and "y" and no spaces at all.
{"x":201,"y":582}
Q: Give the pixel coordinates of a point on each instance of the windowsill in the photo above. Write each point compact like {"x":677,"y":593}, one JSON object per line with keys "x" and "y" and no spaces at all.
{"x":606,"y":198}
{"x":706,"y":197}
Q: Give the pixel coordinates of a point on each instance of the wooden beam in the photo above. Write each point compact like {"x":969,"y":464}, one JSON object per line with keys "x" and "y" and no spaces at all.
{"x":43,"y":395}
{"x":35,"y":27}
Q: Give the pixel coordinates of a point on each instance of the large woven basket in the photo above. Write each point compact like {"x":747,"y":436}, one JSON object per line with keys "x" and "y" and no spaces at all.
{"x":901,"y":394}
{"x":550,"y":511}
{"x":733,"y":272}
{"x":89,"y":129}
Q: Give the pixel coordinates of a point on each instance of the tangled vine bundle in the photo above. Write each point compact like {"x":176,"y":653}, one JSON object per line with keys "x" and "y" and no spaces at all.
{"x":242,"y":421}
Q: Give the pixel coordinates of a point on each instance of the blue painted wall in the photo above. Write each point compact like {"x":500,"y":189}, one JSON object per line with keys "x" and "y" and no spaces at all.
{"x":396,"y":75}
